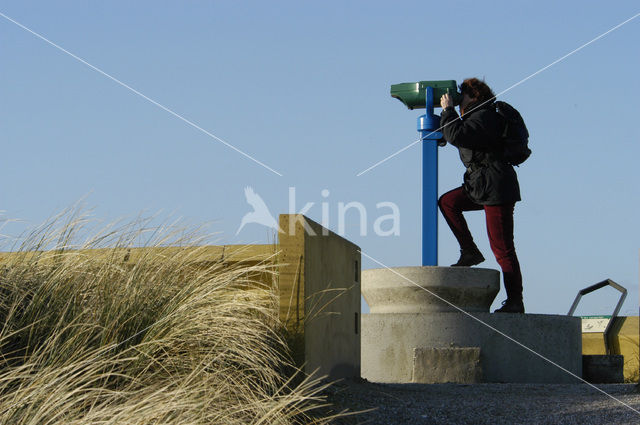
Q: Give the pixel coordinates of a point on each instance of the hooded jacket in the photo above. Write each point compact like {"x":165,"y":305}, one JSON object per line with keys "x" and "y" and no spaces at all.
{"x":489,"y":180}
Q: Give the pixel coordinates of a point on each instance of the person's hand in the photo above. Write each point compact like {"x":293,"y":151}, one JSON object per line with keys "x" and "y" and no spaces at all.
{"x":446,"y":101}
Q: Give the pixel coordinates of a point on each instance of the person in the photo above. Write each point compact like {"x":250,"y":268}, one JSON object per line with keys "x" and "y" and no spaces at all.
{"x":490,"y":184}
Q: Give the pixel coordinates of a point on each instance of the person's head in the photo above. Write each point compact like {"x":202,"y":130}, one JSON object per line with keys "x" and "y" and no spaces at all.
{"x":474,"y":90}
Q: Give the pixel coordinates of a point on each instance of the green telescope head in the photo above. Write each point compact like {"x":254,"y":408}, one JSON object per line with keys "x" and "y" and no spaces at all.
{"x":413,"y":95}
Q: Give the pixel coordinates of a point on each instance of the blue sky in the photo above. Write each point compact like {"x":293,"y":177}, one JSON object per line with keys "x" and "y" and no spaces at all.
{"x":304,"y":88}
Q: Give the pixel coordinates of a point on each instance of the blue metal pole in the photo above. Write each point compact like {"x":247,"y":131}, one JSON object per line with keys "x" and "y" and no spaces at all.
{"x":429,"y":203}
{"x":427,"y":126}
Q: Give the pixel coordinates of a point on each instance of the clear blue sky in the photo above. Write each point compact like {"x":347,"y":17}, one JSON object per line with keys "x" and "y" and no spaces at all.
{"x":304,"y":88}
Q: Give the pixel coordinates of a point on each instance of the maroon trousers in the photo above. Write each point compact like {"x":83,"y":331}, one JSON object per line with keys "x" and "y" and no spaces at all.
{"x":500,"y":230}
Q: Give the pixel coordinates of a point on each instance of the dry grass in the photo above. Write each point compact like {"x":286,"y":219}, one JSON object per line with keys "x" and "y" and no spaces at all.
{"x":90,"y":339}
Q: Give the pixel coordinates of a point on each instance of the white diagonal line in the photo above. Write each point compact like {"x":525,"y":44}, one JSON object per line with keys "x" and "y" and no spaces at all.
{"x":498,"y":331}
{"x":509,"y":88}
{"x":390,"y":156}
{"x":569,"y":54}
{"x":175,"y":114}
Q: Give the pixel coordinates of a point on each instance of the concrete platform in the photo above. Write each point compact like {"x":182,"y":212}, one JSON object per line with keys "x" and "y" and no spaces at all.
{"x":389,"y":342}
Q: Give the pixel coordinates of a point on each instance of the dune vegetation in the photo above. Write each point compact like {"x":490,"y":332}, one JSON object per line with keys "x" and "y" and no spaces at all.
{"x":88,"y":338}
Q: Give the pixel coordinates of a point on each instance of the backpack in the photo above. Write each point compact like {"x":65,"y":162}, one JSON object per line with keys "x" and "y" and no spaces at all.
{"x":515,"y":136}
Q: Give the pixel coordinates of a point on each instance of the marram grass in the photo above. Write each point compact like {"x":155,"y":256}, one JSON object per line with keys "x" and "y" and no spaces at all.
{"x":87,"y":338}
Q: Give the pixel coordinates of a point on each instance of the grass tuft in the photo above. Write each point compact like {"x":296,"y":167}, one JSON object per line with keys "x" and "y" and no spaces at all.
{"x":92,"y":335}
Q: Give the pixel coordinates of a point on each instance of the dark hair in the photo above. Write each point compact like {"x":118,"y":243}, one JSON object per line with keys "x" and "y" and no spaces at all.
{"x":476,"y":88}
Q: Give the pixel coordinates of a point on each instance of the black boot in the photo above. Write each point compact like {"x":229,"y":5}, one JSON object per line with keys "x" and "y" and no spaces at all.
{"x":511,"y":306}
{"x":469,"y":257}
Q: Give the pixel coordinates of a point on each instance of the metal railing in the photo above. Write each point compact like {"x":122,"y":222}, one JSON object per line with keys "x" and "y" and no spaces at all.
{"x":589,"y":289}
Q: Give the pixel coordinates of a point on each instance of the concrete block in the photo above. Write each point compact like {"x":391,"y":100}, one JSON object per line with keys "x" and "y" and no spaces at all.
{"x":603,"y":369}
{"x":459,"y":365}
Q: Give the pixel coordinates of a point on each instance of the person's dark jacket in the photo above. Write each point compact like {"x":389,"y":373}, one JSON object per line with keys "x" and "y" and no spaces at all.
{"x":489,"y":180}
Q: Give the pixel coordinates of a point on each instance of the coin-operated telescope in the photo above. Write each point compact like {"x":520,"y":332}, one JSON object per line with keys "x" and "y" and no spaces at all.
{"x":427,"y":94}
{"x":413,"y":95}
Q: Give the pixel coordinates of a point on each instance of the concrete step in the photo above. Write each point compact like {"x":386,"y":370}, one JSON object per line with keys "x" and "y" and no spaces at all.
{"x":460,"y":365}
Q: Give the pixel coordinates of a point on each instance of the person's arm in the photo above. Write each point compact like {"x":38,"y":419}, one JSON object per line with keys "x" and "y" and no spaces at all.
{"x":471,"y":133}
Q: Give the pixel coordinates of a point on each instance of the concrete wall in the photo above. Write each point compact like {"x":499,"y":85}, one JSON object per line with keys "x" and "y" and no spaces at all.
{"x":623,"y":339}
{"x":320,"y":291}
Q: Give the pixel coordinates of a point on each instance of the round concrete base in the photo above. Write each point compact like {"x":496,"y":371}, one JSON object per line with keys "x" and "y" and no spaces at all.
{"x":429,"y":348}
{"x":423,"y":289}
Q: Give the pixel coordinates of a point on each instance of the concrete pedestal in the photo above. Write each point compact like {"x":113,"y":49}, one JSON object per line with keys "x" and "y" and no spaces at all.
{"x":412,"y":289}
{"x":413,"y":336}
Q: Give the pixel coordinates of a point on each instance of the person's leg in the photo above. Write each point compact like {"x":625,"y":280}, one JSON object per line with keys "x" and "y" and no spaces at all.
{"x":500,"y":231}
{"x":452,"y":204}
